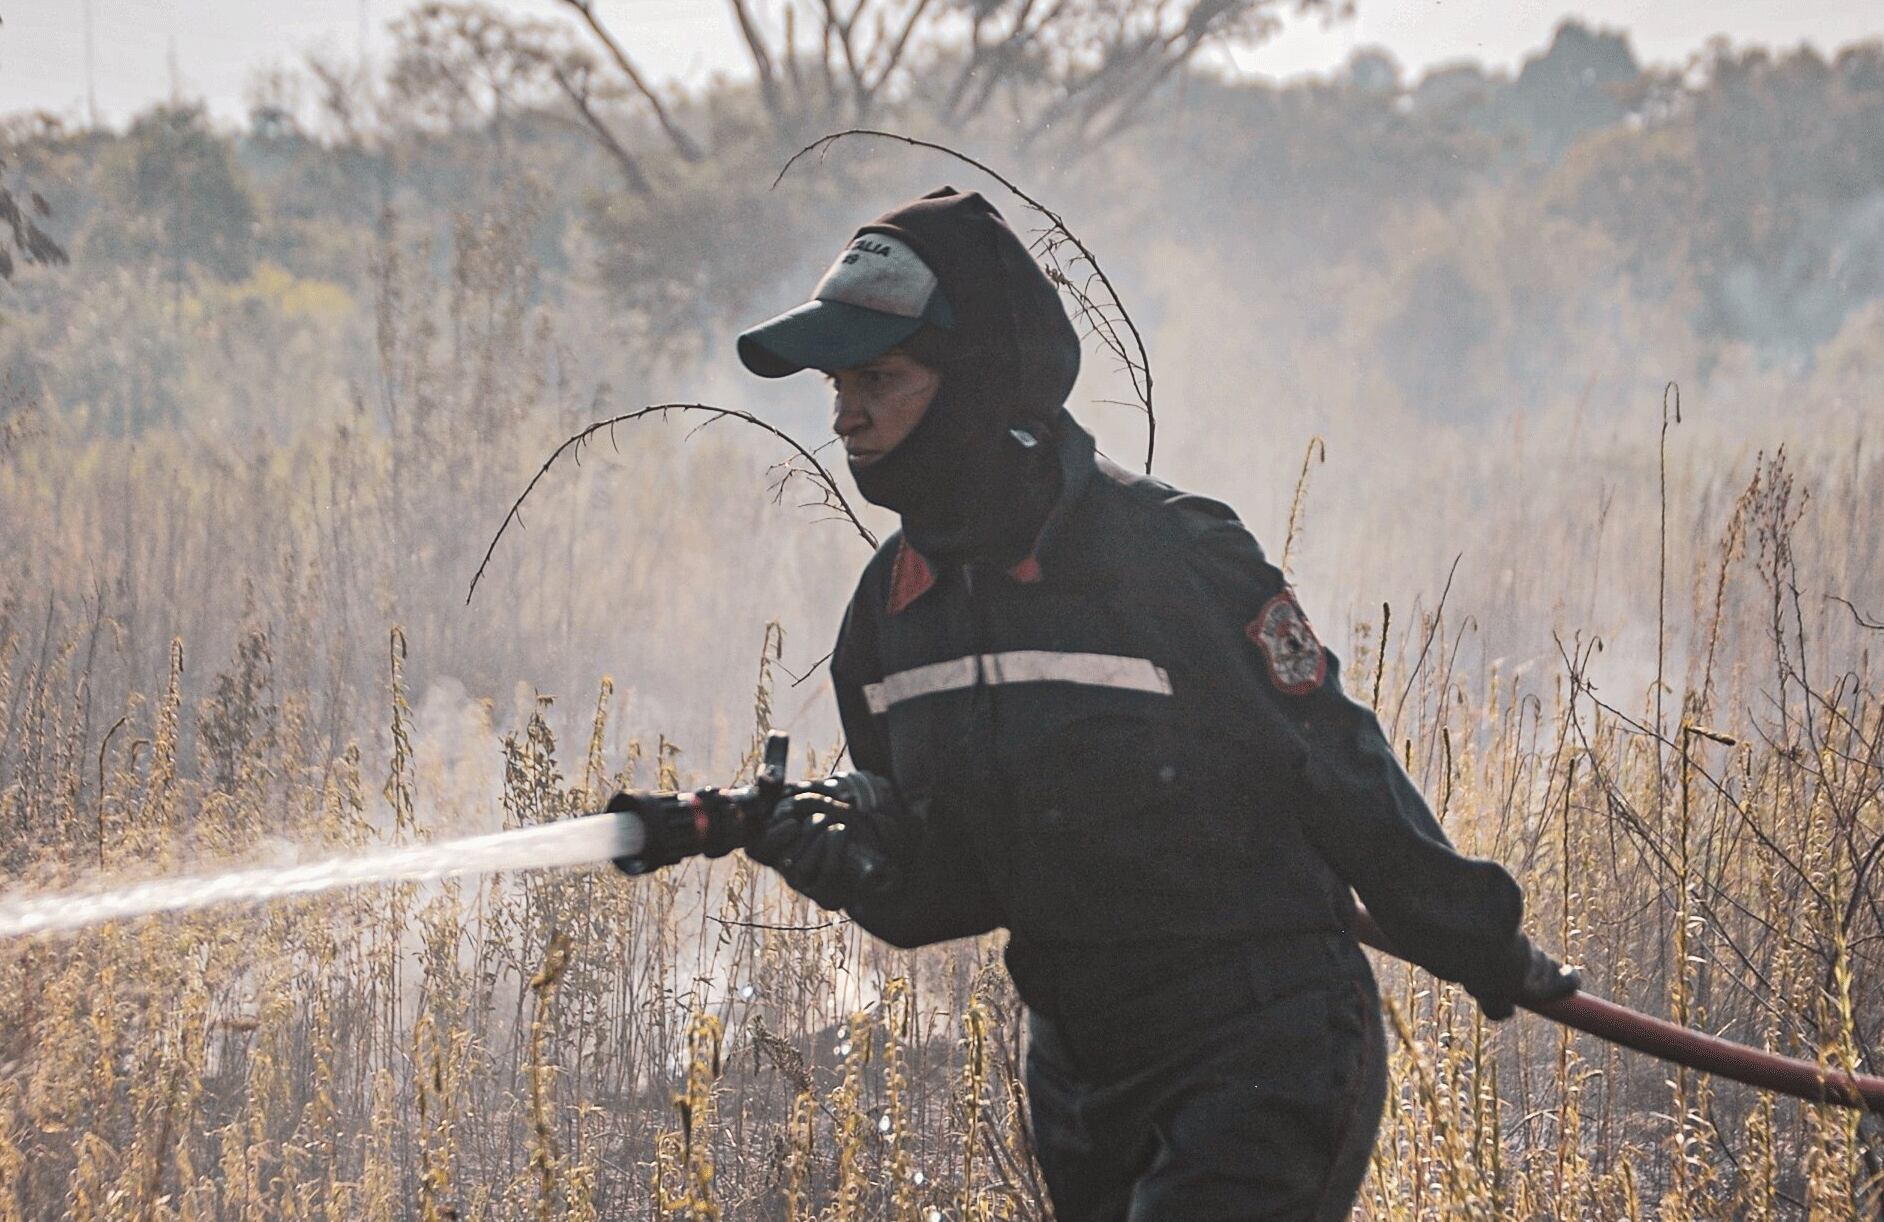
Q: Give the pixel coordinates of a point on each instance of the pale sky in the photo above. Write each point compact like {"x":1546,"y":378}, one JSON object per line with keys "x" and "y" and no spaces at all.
{"x":142,"y":50}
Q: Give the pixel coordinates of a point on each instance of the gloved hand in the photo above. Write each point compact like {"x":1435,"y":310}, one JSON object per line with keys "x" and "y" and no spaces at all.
{"x":1527,"y":976}
{"x":828,"y":843}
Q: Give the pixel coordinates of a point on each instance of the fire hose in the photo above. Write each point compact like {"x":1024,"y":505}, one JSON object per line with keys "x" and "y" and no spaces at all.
{"x":1695,"y":1049}
{"x":673,"y":826}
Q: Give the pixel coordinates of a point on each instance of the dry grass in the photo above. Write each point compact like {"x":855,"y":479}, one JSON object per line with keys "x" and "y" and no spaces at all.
{"x":702,"y":1044}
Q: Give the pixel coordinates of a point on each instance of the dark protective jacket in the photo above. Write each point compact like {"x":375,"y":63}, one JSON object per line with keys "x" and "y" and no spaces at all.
{"x":1131,"y":737}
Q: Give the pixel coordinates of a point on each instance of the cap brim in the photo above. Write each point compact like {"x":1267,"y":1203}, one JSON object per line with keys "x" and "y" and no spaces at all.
{"x":822,"y":335}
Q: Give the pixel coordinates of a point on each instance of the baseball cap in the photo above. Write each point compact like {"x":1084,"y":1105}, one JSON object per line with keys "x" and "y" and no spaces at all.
{"x":877,"y":294}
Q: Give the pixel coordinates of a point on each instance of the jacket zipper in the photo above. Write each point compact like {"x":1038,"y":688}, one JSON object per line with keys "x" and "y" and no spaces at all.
{"x":981,"y":698}
{"x":974,"y":632}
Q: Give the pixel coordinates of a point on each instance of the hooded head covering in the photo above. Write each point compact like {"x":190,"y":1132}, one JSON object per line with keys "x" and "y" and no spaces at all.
{"x":973,"y":479}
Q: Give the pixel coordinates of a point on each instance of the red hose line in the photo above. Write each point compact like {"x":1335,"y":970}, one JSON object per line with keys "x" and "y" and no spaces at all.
{"x":1697,"y":1050}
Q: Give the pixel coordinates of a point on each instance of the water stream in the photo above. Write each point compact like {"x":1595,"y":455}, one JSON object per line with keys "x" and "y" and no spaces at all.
{"x":570,"y":842}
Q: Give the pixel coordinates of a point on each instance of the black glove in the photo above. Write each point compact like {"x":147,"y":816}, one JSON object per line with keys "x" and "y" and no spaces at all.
{"x":704,"y":823}
{"x":1527,"y":976}
{"x":828,"y":843}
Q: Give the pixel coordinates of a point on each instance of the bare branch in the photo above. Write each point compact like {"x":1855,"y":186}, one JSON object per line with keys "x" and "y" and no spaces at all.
{"x":791,"y":56}
{"x":1126,"y":105}
{"x":895,"y":56}
{"x":577,"y":441}
{"x":336,"y":87}
{"x":809,"y":670}
{"x":724,"y":923}
{"x":824,"y":66}
{"x":842,"y":27}
{"x":624,"y":160}
{"x":1862,"y":621}
{"x":33,"y":243}
{"x":1432,"y":630}
{"x":682,"y":142}
{"x":1008,"y":52}
{"x":762,"y":58}
{"x":970,"y":63}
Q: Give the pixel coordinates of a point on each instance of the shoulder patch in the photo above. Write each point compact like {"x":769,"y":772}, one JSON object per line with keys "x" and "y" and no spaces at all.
{"x":1297,"y":662}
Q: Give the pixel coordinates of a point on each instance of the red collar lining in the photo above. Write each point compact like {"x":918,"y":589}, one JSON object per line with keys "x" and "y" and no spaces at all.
{"x":913,"y":576}
{"x":910,"y":579}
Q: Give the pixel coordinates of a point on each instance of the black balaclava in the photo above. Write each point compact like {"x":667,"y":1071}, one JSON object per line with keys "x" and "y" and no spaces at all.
{"x":965,"y":482}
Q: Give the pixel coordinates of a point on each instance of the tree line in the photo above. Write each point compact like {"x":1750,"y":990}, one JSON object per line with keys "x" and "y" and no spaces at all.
{"x":1478,"y":234}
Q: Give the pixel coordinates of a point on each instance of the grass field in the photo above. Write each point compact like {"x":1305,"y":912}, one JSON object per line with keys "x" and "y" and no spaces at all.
{"x":701,"y":1043}
{"x":1611,"y":646}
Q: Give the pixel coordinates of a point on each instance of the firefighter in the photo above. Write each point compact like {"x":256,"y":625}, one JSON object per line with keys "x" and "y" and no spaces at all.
{"x":1111,"y":730}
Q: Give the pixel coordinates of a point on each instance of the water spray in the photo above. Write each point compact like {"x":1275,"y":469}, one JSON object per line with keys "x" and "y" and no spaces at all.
{"x":568,"y":842}
{"x":640,"y":832}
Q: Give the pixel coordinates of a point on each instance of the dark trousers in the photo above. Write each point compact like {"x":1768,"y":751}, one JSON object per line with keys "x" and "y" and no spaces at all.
{"x":1225,"y":1082}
